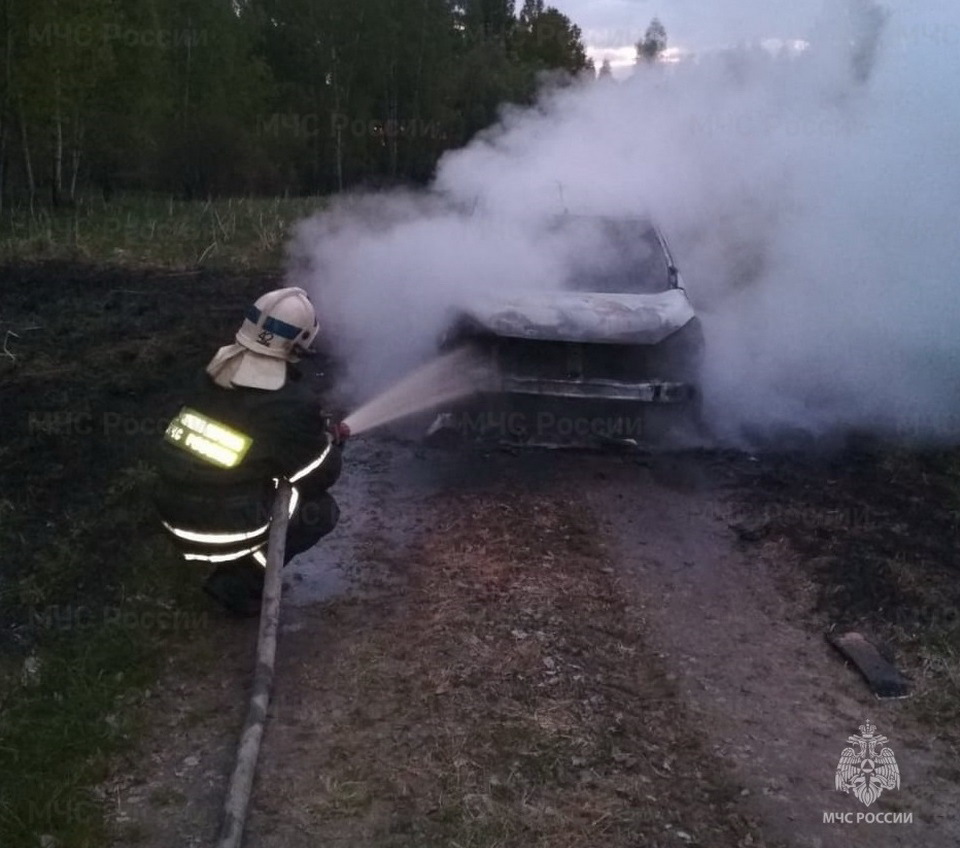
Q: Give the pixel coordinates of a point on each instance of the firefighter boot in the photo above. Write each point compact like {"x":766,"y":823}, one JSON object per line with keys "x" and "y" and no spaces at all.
{"x":237,"y":586}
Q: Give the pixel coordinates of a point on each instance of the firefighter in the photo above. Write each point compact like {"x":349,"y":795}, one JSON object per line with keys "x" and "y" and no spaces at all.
{"x":252,"y":418}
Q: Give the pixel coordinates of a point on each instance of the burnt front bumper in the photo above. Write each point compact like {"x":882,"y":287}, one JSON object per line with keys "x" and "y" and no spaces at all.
{"x":644,"y":391}
{"x":554,"y":413}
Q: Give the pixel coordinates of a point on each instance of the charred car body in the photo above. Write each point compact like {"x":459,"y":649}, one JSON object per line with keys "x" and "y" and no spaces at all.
{"x":613,"y":357}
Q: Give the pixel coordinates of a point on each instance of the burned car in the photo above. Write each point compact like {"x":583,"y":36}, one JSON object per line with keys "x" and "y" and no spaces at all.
{"x":611,"y":357}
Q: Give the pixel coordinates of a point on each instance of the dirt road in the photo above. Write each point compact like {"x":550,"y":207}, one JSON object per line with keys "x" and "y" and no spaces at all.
{"x":499,"y":649}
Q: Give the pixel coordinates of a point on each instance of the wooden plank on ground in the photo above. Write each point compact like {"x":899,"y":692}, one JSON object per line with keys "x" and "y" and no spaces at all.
{"x":883,"y":678}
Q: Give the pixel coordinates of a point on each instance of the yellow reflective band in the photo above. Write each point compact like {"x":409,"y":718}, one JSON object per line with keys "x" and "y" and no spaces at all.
{"x":230,"y":538}
{"x":221,"y":557}
{"x":211,"y":450}
{"x":223,"y":437}
{"x":215,"y":538}
{"x":313,"y":466}
{"x":260,"y":557}
{"x":208,"y":439}
{"x":192,"y":421}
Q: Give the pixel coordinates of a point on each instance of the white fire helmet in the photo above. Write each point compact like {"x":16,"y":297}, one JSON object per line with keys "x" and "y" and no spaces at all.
{"x":276,"y":330}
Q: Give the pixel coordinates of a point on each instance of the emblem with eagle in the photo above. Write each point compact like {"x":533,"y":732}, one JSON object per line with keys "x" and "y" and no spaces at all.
{"x":865,"y":771}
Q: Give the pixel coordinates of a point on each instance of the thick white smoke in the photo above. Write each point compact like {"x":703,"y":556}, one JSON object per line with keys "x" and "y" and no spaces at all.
{"x":811,"y":200}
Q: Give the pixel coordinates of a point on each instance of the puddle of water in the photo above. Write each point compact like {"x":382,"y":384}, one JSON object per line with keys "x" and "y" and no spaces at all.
{"x":378,"y":494}
{"x":387,"y":497}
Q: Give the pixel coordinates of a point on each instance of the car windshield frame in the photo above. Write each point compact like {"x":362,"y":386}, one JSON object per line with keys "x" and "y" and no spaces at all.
{"x":653,"y":273}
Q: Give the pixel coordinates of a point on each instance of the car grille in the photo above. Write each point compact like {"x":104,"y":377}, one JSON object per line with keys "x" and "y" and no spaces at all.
{"x":571,"y":361}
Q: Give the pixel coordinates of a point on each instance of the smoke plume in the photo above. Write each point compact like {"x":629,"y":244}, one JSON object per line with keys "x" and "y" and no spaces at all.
{"x":809,"y":190}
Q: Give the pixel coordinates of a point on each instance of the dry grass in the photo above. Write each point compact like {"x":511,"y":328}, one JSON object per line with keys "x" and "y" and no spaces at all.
{"x":156,"y":231}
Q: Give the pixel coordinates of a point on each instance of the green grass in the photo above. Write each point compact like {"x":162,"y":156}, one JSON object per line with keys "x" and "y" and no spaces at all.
{"x":141,"y":230}
{"x":65,"y":720}
{"x":71,"y":693}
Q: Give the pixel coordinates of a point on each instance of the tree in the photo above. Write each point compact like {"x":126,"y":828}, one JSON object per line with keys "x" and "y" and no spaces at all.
{"x":224,"y":96}
{"x":489,"y":19}
{"x":52,"y":67}
{"x":653,"y":44}
{"x":548,"y":40}
{"x":531,"y":10}
{"x":216,"y":88}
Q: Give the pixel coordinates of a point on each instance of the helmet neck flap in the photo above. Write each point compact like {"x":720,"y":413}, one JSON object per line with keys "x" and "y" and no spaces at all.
{"x":276,"y":330}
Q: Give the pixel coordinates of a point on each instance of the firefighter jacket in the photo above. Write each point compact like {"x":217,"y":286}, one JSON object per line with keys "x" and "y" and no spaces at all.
{"x":222,"y":455}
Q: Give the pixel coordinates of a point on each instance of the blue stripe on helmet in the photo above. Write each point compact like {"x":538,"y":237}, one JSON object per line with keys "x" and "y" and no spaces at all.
{"x":281,"y":328}
{"x":274,"y":325}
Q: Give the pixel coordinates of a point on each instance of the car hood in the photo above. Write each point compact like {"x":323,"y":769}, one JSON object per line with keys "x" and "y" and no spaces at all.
{"x":583,"y":317}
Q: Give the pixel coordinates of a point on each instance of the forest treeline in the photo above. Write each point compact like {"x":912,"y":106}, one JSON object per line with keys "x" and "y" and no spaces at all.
{"x":214,"y":97}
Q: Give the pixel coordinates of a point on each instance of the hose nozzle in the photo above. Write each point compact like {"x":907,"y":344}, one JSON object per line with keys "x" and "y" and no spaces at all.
{"x":340,"y":432}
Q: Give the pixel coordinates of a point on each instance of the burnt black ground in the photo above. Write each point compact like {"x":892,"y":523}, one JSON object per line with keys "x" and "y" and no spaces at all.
{"x":101,"y":355}
{"x":878,"y":527}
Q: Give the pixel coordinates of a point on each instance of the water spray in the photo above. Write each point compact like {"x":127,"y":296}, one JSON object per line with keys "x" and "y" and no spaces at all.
{"x":448,"y":378}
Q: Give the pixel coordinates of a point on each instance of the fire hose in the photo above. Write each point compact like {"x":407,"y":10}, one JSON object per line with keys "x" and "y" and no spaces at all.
{"x":248,"y":751}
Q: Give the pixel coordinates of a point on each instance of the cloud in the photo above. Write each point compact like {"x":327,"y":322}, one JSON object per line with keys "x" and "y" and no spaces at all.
{"x":690,"y":23}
